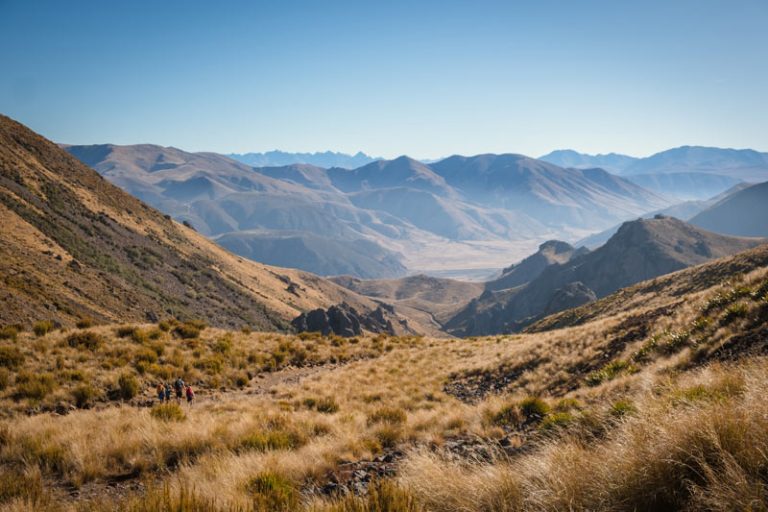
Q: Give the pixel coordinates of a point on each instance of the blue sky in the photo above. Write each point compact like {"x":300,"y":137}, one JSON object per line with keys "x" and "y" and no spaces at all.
{"x":423,"y":78}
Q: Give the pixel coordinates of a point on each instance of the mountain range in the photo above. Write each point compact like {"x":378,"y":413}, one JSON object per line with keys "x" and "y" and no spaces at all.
{"x":320,"y":159}
{"x":380,"y":220}
{"x":686,"y":172}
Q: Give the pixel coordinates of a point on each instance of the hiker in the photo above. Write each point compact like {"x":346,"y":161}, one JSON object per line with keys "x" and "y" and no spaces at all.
{"x":167,"y":392}
{"x":160,"y":391}
{"x":190,"y":394}
{"x":179,"y":386}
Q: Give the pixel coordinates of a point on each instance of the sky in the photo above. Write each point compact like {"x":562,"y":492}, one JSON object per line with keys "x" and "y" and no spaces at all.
{"x":422,"y":78}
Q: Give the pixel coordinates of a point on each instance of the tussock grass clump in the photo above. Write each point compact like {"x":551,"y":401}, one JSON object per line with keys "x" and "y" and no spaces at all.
{"x":534,"y":408}
{"x":326,"y":404}
{"x":127,"y":386}
{"x":556,"y":421}
{"x":383,"y":496}
{"x":168,"y":412}
{"x":83,"y":395}
{"x":610,"y":371}
{"x":391,"y":415}
{"x":42,"y":327}
{"x":263,"y":441}
{"x":84,"y":322}
{"x":11,"y":357}
{"x":621,"y":408}
{"x":87,"y":340}
{"x":9,"y":332}
{"x":23,"y":485}
{"x":273,"y":492}
{"x":188,"y":330}
{"x":34,"y":386}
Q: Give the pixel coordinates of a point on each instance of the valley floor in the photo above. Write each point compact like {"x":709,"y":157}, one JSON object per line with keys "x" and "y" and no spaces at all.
{"x":656,"y":408}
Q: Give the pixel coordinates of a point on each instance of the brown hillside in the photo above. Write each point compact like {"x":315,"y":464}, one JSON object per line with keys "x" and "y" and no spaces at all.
{"x":73,"y":245}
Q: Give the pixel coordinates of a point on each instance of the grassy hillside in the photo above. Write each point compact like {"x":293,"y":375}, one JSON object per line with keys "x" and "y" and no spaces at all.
{"x":663,"y":406}
{"x":75,"y":247}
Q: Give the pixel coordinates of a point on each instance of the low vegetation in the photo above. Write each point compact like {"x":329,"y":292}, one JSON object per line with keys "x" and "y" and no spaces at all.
{"x":667,"y":414}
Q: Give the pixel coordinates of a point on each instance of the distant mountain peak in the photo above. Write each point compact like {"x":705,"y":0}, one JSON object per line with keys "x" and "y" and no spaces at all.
{"x":325,"y":159}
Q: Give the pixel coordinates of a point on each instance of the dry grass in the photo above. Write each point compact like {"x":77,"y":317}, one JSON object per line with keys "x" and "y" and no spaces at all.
{"x":277,"y":415}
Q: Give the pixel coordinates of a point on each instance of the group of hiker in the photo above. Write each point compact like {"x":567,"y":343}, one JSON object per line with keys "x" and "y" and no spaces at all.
{"x":181,"y":389}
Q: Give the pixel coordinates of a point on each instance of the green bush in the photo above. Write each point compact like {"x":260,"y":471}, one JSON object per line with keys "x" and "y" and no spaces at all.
{"x":11,"y":357}
{"x":168,"y":412}
{"x":534,"y":408}
{"x":622,"y":408}
{"x":127,"y":386}
{"x":273,"y":492}
{"x":42,"y":327}
{"x":556,"y":421}
{"x":86,"y":340}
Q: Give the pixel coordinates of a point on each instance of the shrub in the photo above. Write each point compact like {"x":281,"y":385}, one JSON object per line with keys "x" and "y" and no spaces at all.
{"x":273,"y":492}
{"x":733,"y":312}
{"x":168,"y":412}
{"x":241,"y":380}
{"x":127,"y":386}
{"x":86,"y":339}
{"x":223,"y":345}
{"x":9,"y":332}
{"x":610,"y":372}
{"x":83,"y":394}
{"x":84,"y":323}
{"x":507,"y":416}
{"x":567,"y":404}
{"x":263,"y":441}
{"x":622,"y":408}
{"x":146,"y":355}
{"x":187,"y":331}
{"x":5,"y":378}
{"x":11,"y":357}
{"x":327,"y":405}
{"x":34,"y":386}
{"x":165,"y":325}
{"x":389,"y":415}
{"x":388,"y":435}
{"x":383,"y":496}
{"x":24,"y":486}
{"x":124,"y":331}
{"x":42,"y":327}
{"x":556,"y":421}
{"x":534,"y":408}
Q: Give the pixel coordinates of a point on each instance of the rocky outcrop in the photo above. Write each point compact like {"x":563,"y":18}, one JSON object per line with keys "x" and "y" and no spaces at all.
{"x":344,"y":320}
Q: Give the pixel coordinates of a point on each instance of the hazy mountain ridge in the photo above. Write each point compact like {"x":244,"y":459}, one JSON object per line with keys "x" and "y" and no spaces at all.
{"x":324,"y":159}
{"x":397,"y":205}
{"x":742,"y":213}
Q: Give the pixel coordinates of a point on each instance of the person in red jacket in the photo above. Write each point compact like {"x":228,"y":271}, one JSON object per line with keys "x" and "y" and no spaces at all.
{"x":190,"y":394}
